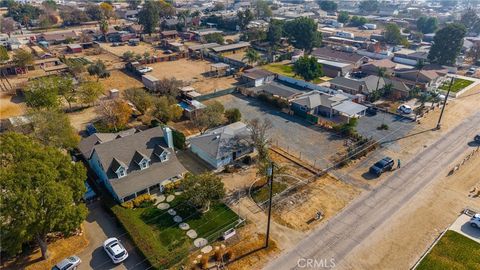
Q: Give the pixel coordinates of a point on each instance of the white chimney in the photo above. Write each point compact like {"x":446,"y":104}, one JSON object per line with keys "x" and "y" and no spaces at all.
{"x":167,"y":134}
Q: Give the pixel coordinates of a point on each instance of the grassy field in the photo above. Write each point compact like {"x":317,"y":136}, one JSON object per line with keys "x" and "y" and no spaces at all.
{"x":453,"y":251}
{"x":260,"y":195}
{"x":286,"y":70}
{"x":161,"y":240}
{"x":458,"y":84}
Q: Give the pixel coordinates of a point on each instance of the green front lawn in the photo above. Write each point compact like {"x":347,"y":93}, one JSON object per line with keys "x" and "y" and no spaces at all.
{"x":160,"y":239}
{"x":286,"y":70}
{"x":458,"y":84}
{"x":453,"y":251}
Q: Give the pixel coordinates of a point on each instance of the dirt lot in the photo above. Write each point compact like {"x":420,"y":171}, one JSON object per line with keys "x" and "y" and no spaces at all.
{"x":92,"y":55}
{"x":117,"y":80}
{"x":326,"y":194}
{"x":398,"y":245}
{"x":192,"y":72}
{"x":139,"y":49}
{"x":11,"y":106}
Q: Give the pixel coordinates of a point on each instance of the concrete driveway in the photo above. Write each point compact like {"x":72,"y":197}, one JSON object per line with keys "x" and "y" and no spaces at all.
{"x":462,"y":226}
{"x":289,"y":132}
{"x":99,"y":226}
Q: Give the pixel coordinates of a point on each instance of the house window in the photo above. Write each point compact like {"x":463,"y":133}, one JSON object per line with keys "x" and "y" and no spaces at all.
{"x":144,"y":164}
{"x":164,"y":156}
{"x":121,"y":172}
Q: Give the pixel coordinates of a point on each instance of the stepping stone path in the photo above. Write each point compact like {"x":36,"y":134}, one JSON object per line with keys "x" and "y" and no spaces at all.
{"x":172,"y":212}
{"x":192,"y":234}
{"x":184,"y":226}
{"x":177,"y":193}
{"x":206,"y":249}
{"x":160,"y":198}
{"x":163,"y":206}
{"x":170,"y":198}
{"x":177,"y":219}
{"x":200,"y":242}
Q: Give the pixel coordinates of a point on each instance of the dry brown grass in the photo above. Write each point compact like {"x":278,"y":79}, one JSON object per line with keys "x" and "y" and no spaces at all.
{"x":9,"y":108}
{"x":59,"y":250}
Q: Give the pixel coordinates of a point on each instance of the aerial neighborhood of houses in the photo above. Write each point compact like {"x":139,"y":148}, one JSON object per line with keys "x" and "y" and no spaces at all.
{"x":246,"y":134}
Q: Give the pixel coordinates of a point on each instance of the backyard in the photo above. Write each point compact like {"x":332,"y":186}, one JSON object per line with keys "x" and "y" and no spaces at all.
{"x":159,"y":237}
{"x":286,"y":69}
{"x":458,"y":84}
{"x":453,"y":251}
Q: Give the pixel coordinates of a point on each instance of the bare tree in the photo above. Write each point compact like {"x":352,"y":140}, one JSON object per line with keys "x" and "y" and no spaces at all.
{"x":258,"y":134}
{"x":169,"y":87}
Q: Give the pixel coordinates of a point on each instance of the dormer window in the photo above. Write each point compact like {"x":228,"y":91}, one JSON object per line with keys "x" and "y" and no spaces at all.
{"x":121,"y":172}
{"x":144,"y":164}
{"x":164,"y":156}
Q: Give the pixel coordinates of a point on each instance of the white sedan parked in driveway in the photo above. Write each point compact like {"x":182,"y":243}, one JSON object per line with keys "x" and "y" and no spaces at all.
{"x":405,"y":109}
{"x":115,"y":250}
{"x":475,"y":221}
{"x":145,"y":70}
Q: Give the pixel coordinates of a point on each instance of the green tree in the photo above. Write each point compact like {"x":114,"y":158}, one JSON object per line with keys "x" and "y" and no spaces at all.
{"x":73,"y":16}
{"x":251,"y":56}
{"x":275,"y":32}
{"x":128,"y":56}
{"x":343,"y":17}
{"x":98,"y":69}
{"x":103,"y":26}
{"x":94,"y":12}
{"x":244,"y":18}
{"x":53,"y":128}
{"x":133,"y":4}
{"x":427,"y":24}
{"x":179,"y":139}
{"x":89,"y":92}
{"x":166,"y":109}
{"x":474,"y":52}
{"x":392,"y":34}
{"x":44,"y":92}
{"x":3,"y":54}
{"x":214,"y":38}
{"x":115,"y":114}
{"x":142,"y":100}
{"x":262,"y":9}
{"x":358,"y":21}
{"x":233,"y":115}
{"x":23,"y":13}
{"x":149,"y":17}
{"x":471,"y":20}
{"x":328,"y":6}
{"x":418,"y":66}
{"x":303,"y":33}
{"x":203,"y":189}
{"x":22,"y":58}
{"x":46,"y":200}
{"x":447,"y":45}
{"x":369,"y":6}
{"x":211,"y":116}
{"x":308,"y":68}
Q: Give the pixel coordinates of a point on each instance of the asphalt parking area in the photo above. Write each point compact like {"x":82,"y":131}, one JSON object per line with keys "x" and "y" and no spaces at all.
{"x":289,"y":132}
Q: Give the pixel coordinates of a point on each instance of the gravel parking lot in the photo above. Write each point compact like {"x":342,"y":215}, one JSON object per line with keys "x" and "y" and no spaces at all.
{"x":289,"y":132}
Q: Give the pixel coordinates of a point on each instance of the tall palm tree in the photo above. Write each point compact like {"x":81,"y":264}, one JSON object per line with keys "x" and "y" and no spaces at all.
{"x":251,"y":56}
{"x":380,"y":74}
{"x":104,"y":28}
{"x":419,"y":66}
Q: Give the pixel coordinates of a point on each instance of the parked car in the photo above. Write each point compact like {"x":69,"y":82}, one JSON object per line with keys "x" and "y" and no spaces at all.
{"x":475,"y":221}
{"x":405,"y":109}
{"x":145,"y":70}
{"x":383,"y":165}
{"x":477,"y":138}
{"x":69,"y":263}
{"x":471,"y":71}
{"x":372,"y":111}
{"x":115,"y":250}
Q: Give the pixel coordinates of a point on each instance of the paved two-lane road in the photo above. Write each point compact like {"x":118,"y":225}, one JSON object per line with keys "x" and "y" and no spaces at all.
{"x":336,"y":238}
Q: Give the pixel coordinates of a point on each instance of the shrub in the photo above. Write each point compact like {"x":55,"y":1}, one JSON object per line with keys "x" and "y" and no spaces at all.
{"x":204,"y":263}
{"x":141,"y":200}
{"x":128,"y":204}
{"x":383,"y":127}
{"x":218,"y":255}
{"x":179,"y":140}
{"x":228,"y":255}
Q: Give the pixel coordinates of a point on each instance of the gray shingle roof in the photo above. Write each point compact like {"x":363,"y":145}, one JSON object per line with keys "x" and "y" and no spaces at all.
{"x":316,"y":98}
{"x":87,"y":144}
{"x":222,"y":141}
{"x":277,"y":89}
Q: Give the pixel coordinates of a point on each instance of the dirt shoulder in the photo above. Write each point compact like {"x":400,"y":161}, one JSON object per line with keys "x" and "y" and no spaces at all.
{"x":399,"y":242}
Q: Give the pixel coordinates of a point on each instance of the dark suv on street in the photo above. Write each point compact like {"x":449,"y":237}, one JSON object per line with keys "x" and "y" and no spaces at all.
{"x":383,"y":165}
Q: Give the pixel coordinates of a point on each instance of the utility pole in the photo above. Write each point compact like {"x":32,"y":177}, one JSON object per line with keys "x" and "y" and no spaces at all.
{"x":445,"y":102}
{"x":270,"y":181}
